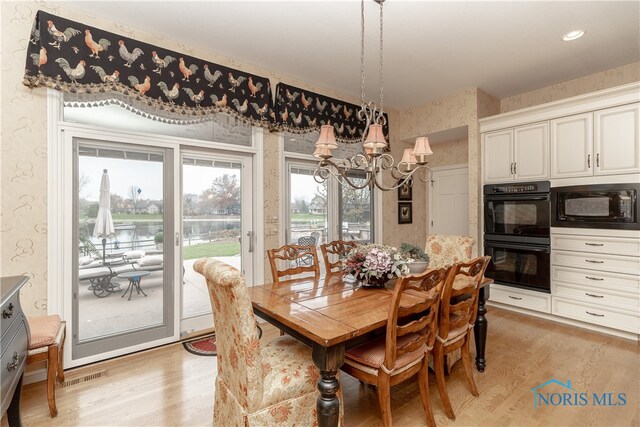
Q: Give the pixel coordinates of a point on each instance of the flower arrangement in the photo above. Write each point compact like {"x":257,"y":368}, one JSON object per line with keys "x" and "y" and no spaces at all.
{"x":375,"y":264}
{"x":413,"y":252}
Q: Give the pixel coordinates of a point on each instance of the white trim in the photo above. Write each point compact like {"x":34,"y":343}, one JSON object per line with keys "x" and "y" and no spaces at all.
{"x":377,"y":215}
{"x":284,"y":191}
{"x":258,"y":204}
{"x":619,"y":95}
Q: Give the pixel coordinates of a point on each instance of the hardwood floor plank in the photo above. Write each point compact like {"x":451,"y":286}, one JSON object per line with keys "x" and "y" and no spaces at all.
{"x":168,"y":386}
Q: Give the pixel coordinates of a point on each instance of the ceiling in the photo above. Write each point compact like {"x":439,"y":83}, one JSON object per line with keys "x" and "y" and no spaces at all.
{"x":431,"y":49}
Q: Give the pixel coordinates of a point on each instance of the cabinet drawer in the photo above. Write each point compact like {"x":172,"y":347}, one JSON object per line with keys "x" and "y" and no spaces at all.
{"x":10,"y":311}
{"x":596,"y":279}
{"x":520,"y":298}
{"x":615,"y":299}
{"x":596,"y":244}
{"x":592,"y":313}
{"x":18,"y":343}
{"x":611,"y":263}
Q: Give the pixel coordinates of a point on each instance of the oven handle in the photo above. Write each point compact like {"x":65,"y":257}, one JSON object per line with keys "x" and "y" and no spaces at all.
{"x":518,"y":197}
{"x":545,"y":249}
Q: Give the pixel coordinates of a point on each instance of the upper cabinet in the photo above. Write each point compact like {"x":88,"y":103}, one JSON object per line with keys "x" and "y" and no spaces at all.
{"x":616,"y":142}
{"x":518,"y":154}
{"x":601,"y":143}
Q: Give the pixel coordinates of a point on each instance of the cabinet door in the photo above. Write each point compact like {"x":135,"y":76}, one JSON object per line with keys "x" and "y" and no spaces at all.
{"x":531,"y":152}
{"x":572,"y":146}
{"x":617,"y":147}
{"x":498,"y":156}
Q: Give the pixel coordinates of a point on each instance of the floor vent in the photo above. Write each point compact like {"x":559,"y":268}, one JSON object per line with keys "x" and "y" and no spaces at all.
{"x":84,"y":379}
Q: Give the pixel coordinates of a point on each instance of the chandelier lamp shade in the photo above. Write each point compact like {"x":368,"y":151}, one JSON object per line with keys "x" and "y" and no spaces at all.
{"x":374,"y":159}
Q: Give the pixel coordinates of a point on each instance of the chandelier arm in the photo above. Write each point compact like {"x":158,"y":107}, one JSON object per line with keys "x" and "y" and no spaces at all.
{"x":321,"y":174}
{"x":398,"y":184}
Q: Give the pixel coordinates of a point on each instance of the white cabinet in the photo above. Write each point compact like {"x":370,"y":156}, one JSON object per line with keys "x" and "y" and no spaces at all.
{"x":604,"y":142}
{"x":572,"y":146}
{"x":596,"y":279}
{"x":616,"y":142}
{"x":518,"y":154}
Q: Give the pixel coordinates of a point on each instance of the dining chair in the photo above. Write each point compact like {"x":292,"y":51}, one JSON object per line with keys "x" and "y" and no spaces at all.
{"x":339,"y":248}
{"x":256,"y":385}
{"x":458,"y":310}
{"x":448,"y":249}
{"x":403,"y":351}
{"x":290,"y":256}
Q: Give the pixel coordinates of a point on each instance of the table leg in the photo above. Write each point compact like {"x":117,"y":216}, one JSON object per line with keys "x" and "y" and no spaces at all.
{"x":328,"y":360}
{"x":13,"y":411}
{"x":140,"y":287}
{"x":480,"y":328}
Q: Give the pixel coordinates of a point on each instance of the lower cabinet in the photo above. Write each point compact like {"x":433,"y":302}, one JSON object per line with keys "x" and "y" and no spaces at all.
{"x":522,"y":298}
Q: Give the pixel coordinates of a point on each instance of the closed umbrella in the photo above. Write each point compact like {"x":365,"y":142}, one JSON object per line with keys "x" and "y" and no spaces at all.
{"x":104,"y":223}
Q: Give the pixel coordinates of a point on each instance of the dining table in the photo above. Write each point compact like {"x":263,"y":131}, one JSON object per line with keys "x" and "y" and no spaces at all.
{"x":330,"y":315}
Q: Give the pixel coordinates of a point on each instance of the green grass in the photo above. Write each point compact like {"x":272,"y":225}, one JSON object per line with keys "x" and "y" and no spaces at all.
{"x":211,"y":249}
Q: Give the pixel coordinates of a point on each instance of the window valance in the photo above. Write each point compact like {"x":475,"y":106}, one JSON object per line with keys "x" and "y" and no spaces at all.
{"x":302,"y":111}
{"x":74,"y":57}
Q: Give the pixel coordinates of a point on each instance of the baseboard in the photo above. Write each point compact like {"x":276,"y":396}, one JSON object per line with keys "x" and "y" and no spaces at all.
{"x":35,"y":373}
{"x":553,"y":318}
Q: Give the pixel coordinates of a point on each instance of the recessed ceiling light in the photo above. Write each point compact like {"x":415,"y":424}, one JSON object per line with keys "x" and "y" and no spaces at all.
{"x":573,"y":35}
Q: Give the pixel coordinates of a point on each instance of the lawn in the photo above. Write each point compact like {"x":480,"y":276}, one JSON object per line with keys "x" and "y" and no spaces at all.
{"x":211,"y":249}
{"x":307,"y":217}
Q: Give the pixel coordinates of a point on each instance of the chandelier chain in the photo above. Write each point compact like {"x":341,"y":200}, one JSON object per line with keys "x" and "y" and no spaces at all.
{"x":381,"y":73}
{"x":362,"y":81}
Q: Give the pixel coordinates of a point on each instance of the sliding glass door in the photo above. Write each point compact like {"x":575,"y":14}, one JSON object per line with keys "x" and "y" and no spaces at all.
{"x":216,"y":222}
{"x":123,"y":286}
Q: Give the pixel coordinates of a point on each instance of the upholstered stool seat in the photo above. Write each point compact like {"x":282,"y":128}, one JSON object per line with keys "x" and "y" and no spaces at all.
{"x":46,"y":343}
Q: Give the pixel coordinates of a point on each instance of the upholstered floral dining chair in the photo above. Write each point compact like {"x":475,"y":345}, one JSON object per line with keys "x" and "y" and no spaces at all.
{"x":256,"y":385}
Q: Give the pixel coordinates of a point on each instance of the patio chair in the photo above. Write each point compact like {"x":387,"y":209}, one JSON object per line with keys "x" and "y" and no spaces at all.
{"x":256,"y":384}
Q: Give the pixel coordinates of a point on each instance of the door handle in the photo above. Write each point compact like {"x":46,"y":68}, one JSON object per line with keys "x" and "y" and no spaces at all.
{"x":595,"y":314}
{"x":589,"y":161}
{"x":177,"y":239}
{"x":250,"y":235}
{"x":593,"y":295}
{"x":517,"y":298}
{"x":598,"y":160}
{"x":515,"y":168}
{"x":594,"y":244}
{"x":511,"y":168}
{"x":594,"y":278}
{"x":594,"y":262}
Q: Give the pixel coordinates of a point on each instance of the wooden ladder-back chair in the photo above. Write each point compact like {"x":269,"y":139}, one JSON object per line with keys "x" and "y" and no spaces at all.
{"x":403,"y":351}
{"x":340,"y":248}
{"x":458,"y":310}
{"x":257,"y":384}
{"x":298,"y":258}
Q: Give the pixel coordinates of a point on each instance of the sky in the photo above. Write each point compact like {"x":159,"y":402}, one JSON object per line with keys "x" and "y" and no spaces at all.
{"x":144,"y":175}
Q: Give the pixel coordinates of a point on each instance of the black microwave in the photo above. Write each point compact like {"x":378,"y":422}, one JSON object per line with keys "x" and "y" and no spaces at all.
{"x":609,"y":206}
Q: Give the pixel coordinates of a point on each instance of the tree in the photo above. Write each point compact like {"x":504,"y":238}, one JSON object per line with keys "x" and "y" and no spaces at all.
{"x":224,"y":194}
{"x":300,"y":205}
{"x":134,"y":192}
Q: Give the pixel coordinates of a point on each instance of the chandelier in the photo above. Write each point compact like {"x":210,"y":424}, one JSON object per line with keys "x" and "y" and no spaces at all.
{"x":373,"y":159}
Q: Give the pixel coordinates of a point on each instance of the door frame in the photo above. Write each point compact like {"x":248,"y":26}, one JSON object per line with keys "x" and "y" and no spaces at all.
{"x":429,"y":198}
{"x":60,"y":211}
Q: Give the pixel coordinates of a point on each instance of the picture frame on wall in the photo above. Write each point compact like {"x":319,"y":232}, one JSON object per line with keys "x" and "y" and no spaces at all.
{"x":405,"y":214}
{"x":405,"y":190}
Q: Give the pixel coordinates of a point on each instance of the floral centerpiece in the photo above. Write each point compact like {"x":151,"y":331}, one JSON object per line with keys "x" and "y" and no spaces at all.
{"x":418,"y":260}
{"x":373,"y":265}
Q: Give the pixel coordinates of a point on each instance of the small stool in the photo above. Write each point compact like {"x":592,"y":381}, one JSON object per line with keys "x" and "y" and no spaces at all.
{"x":46,"y":344}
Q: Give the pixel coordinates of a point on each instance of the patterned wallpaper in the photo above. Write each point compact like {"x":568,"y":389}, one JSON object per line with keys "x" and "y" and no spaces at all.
{"x":605,"y":79}
{"x":450,"y":153}
{"x":23,"y":163}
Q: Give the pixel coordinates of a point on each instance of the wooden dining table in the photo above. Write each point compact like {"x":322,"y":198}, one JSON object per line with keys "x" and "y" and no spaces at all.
{"x":331,"y":315}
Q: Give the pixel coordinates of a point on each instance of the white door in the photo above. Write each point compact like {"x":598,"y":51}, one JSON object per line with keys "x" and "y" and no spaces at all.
{"x":449,"y":201}
{"x":531,"y":152}
{"x":617,"y":145}
{"x":217,"y":221}
{"x":498,"y":156}
{"x":572,"y":146}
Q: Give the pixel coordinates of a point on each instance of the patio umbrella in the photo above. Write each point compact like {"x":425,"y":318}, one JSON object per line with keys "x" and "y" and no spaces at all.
{"x":104,"y":223}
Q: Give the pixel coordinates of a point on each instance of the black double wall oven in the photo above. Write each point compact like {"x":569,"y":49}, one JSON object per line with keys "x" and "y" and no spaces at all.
{"x":516,"y":234}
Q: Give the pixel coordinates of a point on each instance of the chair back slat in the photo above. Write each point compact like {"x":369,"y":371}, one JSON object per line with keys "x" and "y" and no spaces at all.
{"x":406,"y":320}
{"x":464,"y":280}
{"x":297,"y":259}
{"x":338,"y":249}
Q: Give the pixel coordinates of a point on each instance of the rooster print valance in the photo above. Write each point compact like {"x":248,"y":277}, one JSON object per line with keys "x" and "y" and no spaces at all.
{"x":301,"y":111}
{"x":74,"y":57}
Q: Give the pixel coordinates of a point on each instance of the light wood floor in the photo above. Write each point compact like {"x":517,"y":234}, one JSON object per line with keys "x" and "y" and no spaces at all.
{"x":171,"y":387}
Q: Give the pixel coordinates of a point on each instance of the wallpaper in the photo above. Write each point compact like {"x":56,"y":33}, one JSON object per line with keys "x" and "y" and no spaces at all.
{"x":605,"y":79}
{"x":449,"y":153}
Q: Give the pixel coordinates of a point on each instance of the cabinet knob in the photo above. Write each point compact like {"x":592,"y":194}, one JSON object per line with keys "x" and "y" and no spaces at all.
{"x":8,"y":312}
{"x":16,"y":361}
